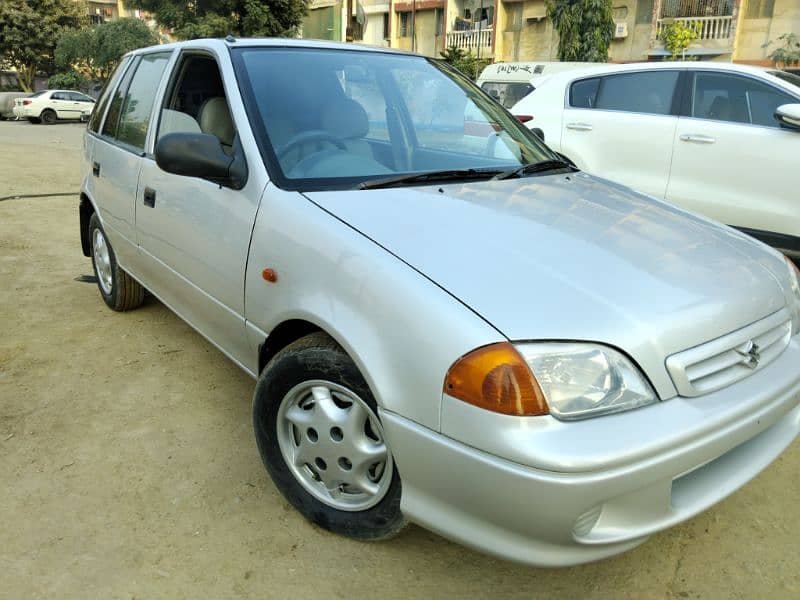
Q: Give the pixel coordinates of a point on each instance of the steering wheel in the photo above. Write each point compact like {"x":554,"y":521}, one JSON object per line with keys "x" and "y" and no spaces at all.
{"x":306,"y":137}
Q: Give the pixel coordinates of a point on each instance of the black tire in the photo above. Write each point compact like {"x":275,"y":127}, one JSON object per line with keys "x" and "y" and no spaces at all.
{"x":125,"y":292}
{"x":48,"y":117}
{"x":34,"y":120}
{"x":318,"y":357}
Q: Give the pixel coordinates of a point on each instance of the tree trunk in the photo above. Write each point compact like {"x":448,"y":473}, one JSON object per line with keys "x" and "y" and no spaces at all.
{"x":25,"y":78}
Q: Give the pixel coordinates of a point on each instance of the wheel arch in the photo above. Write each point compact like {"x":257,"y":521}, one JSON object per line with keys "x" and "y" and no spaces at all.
{"x":283,"y":334}
{"x":85,"y":211}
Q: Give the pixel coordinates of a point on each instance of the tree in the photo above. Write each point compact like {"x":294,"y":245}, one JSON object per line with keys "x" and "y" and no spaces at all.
{"x":585,"y":28}
{"x":464,"y":61}
{"x":677,"y":37}
{"x":71,"y":80}
{"x":29,"y":30}
{"x":788,"y":54}
{"x":95,"y":52}
{"x":217,"y":18}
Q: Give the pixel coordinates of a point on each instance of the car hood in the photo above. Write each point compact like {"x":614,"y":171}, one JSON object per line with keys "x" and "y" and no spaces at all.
{"x":574,"y":257}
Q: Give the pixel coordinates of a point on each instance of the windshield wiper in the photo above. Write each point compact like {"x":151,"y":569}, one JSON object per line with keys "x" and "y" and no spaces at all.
{"x":555,"y":164}
{"x":448,"y":174}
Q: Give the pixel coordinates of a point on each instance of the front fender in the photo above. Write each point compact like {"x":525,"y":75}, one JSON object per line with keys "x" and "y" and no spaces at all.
{"x":402,"y":330}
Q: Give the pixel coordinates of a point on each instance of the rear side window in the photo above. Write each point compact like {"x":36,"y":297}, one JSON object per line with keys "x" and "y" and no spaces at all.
{"x":138,"y":106}
{"x":507,"y":93}
{"x":648,"y":92}
{"x":105,"y":95}
{"x":59,"y":96}
{"x":115,"y":105}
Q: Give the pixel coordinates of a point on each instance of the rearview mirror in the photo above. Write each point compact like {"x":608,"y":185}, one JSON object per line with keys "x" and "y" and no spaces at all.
{"x":201,"y":155}
{"x":788,"y":115}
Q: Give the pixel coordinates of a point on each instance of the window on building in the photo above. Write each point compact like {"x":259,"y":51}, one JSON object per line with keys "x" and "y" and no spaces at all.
{"x":760,"y":9}
{"x":405,"y":24}
{"x":439,"y":21}
{"x":514,"y":22}
{"x":697,"y":8}
{"x":644,"y":12}
{"x":724,"y":97}
{"x":386,"y":33}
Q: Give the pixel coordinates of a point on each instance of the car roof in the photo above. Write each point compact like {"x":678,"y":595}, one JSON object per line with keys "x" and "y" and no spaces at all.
{"x":220,"y":43}
{"x":648,"y":66}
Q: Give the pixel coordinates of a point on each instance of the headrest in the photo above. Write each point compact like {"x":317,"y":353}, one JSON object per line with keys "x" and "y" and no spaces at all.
{"x":346,"y":119}
{"x":215,"y":118}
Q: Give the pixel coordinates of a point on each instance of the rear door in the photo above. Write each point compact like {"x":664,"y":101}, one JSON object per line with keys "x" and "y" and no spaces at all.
{"x":62,"y":104}
{"x":621,"y":126}
{"x":732,"y":160}
{"x":83,"y":104}
{"x":117,"y":154}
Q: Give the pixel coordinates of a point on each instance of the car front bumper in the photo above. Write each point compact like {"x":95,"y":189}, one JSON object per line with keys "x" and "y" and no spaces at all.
{"x":557,"y":518}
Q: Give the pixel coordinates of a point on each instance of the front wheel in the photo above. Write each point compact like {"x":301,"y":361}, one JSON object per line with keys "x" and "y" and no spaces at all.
{"x":322,"y":442}
{"x":119,"y":290}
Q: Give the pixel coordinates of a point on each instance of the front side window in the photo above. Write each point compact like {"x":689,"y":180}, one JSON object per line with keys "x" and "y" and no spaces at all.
{"x":736,"y":99}
{"x":648,"y":92}
{"x":331,"y":119}
{"x":138,"y":104}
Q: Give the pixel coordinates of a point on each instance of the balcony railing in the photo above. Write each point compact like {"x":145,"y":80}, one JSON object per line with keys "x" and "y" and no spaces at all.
{"x":472,"y":39}
{"x":709,"y":28}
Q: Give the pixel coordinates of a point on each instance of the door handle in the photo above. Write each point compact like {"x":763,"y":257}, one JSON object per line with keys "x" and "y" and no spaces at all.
{"x":149,"y":197}
{"x":96,"y":169}
{"x":697,"y":138}
{"x":579,"y":126}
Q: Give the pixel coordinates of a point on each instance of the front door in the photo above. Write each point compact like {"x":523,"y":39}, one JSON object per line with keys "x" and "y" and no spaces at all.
{"x":732,"y":160}
{"x":194,"y":235}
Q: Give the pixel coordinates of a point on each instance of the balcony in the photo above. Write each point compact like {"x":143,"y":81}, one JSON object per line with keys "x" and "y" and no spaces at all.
{"x":477,"y":41}
{"x":715,"y":35}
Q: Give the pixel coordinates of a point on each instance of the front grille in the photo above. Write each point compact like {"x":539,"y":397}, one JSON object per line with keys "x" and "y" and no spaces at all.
{"x":730,"y":358}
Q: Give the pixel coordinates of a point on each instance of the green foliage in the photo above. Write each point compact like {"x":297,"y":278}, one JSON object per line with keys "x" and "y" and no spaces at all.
{"x":217,"y":18}
{"x":466,"y":62}
{"x":789,"y":53}
{"x":29,"y":30}
{"x":678,"y":36}
{"x":96,"y":51}
{"x":69,"y":80}
{"x":585,"y":28}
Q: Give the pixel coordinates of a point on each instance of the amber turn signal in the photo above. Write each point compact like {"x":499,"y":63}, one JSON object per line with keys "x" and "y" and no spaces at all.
{"x":496,"y":378}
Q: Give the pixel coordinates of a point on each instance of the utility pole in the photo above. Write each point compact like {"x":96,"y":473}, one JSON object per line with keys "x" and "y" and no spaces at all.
{"x":413,"y":25}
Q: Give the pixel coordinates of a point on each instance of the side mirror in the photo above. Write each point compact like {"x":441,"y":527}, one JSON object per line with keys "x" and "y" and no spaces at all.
{"x":201,"y":155}
{"x":537,"y":131}
{"x":788,"y":115}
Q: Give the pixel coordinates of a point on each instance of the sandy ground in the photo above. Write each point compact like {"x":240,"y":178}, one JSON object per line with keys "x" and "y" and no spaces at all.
{"x":129,"y":469}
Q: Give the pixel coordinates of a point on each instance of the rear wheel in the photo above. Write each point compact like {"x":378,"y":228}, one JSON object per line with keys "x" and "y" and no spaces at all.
{"x":119,"y":290}
{"x":320,"y":438}
{"x":48,"y":117}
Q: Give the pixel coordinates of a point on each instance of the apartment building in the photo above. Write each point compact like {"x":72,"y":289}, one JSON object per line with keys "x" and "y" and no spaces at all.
{"x":361,"y":21}
{"x":515,"y":30}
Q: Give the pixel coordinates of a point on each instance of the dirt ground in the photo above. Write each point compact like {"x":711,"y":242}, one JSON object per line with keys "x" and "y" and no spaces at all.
{"x":129,"y":469}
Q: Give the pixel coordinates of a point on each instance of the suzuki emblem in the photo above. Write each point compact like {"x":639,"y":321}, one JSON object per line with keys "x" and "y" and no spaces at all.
{"x":750,"y":354}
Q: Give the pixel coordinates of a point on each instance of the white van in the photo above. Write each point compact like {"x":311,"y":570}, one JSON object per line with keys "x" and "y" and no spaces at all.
{"x":508,"y":83}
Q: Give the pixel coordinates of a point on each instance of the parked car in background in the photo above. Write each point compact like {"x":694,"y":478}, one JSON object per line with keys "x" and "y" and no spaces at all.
{"x":7,"y":103}
{"x":457,"y":330}
{"x":50,"y":106}
{"x":510,"y":82}
{"x":719,"y":139}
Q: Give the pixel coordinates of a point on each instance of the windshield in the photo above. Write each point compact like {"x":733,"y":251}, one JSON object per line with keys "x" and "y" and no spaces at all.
{"x":787,"y":77}
{"x":334,"y":119}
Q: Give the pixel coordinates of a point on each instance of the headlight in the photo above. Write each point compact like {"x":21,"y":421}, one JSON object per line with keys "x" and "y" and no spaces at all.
{"x":568,"y":380}
{"x":581,"y":380}
{"x":794,"y":283}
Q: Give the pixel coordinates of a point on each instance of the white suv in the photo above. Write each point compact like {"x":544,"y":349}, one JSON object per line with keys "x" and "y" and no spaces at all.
{"x":51,"y":105}
{"x":706,"y":136}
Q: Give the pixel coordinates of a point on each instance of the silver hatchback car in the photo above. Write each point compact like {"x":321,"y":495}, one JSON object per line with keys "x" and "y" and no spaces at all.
{"x":448,"y":323}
